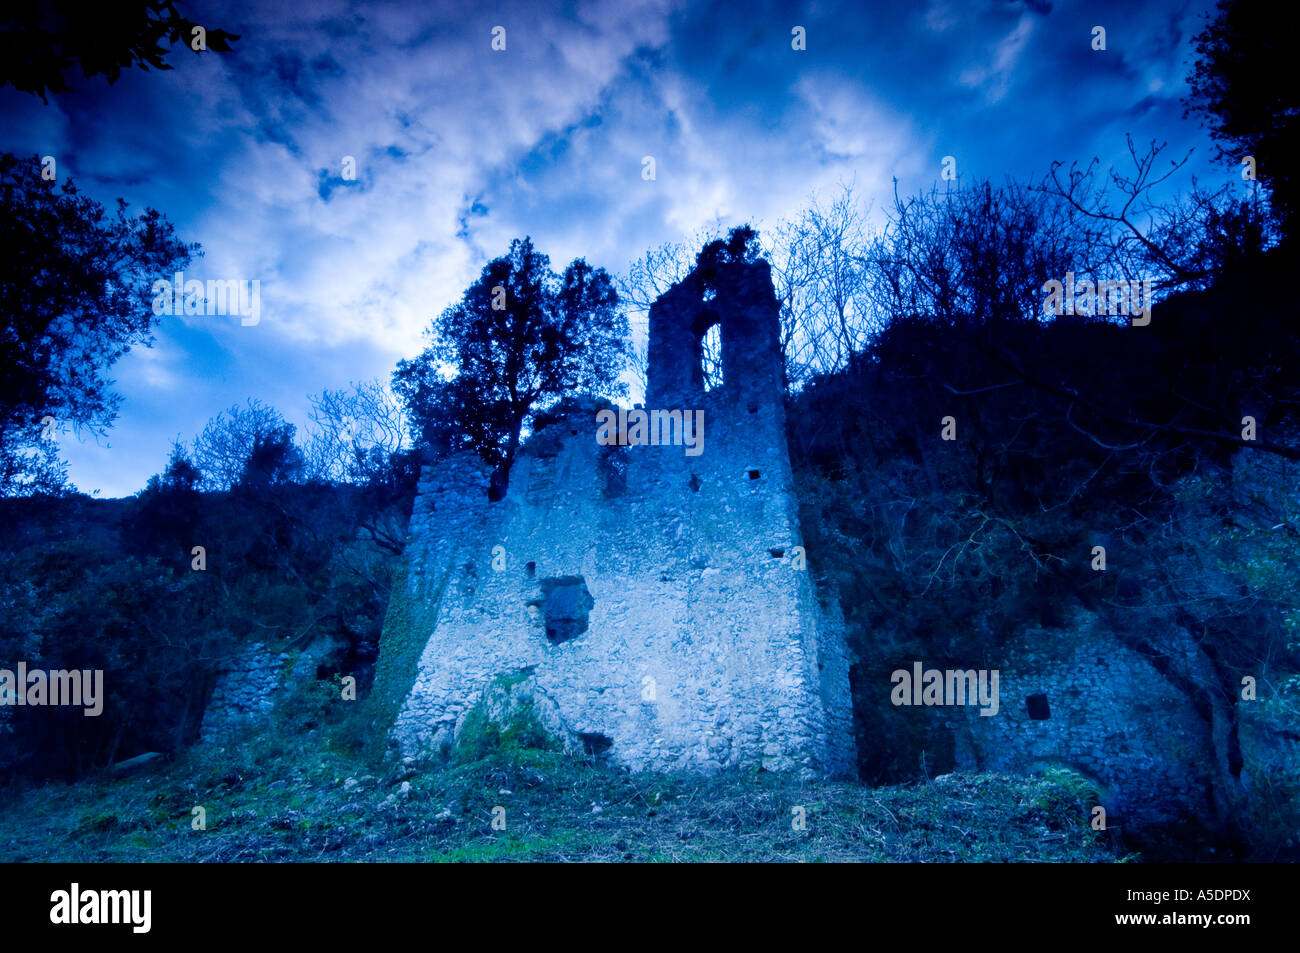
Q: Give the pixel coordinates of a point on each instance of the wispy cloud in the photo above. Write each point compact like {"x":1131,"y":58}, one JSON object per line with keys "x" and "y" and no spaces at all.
{"x":459,"y":148}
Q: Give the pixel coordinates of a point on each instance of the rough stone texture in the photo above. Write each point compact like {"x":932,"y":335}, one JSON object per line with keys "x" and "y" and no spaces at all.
{"x":324,"y":652}
{"x":511,"y":700}
{"x":1122,"y":718}
{"x":654,"y":595}
{"x":244,"y":692}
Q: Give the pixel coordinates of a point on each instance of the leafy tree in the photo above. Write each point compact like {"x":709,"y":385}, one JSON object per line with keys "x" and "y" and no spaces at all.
{"x":181,"y":473}
{"x":31,"y":467}
{"x":272,"y":460}
{"x":429,"y":402}
{"x":520,"y":338}
{"x":168,"y":507}
{"x":41,"y":42}
{"x":75,"y":289}
{"x":1246,"y":89}
{"x":741,"y":244}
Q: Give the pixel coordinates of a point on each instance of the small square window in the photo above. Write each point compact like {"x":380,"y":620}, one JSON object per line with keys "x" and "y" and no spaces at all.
{"x":1037,"y":706}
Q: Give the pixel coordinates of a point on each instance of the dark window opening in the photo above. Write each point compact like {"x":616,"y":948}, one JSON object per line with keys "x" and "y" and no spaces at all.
{"x":776,"y":553}
{"x":497,"y":486}
{"x":594,"y":743}
{"x":753,"y":474}
{"x":1037,"y":706}
{"x":613,"y":471}
{"x":565,"y":607}
{"x":695,"y":483}
{"x":532,"y":569}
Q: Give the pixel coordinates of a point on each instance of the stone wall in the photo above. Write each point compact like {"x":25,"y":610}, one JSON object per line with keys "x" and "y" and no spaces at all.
{"x":1132,"y":722}
{"x":657,"y":598}
{"x":243,"y":694}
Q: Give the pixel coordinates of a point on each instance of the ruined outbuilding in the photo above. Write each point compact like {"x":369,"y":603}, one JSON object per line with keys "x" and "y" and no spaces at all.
{"x":652,"y":606}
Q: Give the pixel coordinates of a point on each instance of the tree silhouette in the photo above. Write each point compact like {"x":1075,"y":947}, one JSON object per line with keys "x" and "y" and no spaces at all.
{"x":41,"y":42}
{"x":1245,"y":87}
{"x":75,"y":291}
{"x":245,"y":444}
{"x":520,"y":338}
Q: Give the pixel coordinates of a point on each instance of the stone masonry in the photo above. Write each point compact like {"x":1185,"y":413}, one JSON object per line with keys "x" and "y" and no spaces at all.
{"x":654,"y":601}
{"x":244,"y":693}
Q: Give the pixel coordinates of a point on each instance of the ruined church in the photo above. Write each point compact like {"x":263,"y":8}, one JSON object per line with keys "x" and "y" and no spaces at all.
{"x":649,"y":602}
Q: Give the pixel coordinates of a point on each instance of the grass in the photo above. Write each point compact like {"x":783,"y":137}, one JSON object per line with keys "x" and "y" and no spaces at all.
{"x":273,"y":797}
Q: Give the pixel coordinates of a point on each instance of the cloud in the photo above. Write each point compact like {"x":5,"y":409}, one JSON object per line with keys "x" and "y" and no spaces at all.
{"x":994,"y":79}
{"x":459,"y":148}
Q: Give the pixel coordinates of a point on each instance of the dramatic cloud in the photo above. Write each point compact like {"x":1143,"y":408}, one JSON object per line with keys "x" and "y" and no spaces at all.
{"x":458,"y":148}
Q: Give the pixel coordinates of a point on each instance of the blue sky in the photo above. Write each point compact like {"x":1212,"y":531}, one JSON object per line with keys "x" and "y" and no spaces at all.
{"x":459,"y":148}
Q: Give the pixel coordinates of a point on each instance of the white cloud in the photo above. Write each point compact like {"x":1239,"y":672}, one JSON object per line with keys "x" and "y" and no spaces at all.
{"x":995,"y":77}
{"x":940,"y":16}
{"x":381,"y":257}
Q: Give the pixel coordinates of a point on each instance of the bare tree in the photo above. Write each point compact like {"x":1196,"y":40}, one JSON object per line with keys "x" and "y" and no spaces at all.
{"x":978,"y":252}
{"x":354,"y":432}
{"x":229,"y":440}
{"x":818,"y":265}
{"x":1178,"y":244}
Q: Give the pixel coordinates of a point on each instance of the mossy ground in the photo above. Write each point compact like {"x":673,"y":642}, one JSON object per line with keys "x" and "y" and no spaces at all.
{"x":309,"y":797}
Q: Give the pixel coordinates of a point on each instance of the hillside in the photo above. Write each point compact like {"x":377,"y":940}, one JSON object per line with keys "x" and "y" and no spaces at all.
{"x":267,"y":800}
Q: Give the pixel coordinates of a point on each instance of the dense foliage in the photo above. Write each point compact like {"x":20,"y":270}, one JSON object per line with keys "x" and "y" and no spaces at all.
{"x":114,"y":585}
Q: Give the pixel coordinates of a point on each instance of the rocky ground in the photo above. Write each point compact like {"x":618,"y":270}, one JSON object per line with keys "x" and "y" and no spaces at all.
{"x":270,"y":799}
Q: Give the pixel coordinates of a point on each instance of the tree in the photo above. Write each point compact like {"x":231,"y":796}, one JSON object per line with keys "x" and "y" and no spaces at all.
{"x":1245,"y":88}
{"x":429,"y":401}
{"x":253,"y":435}
{"x":520,"y":338}
{"x":1211,"y":253}
{"x":355,"y":434}
{"x":167,"y":509}
{"x":40,"y":42}
{"x":740,"y":245}
{"x":75,"y":289}
{"x":273,"y":460}
{"x":976,"y":255}
{"x":181,"y":474}
{"x":819,"y":268}
{"x":1184,"y":243}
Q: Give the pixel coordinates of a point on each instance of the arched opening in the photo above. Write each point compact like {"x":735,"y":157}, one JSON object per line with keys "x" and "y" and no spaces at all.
{"x":711,"y":357}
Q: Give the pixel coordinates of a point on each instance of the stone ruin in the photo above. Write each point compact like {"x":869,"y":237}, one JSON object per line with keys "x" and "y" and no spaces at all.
{"x":652,"y":606}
